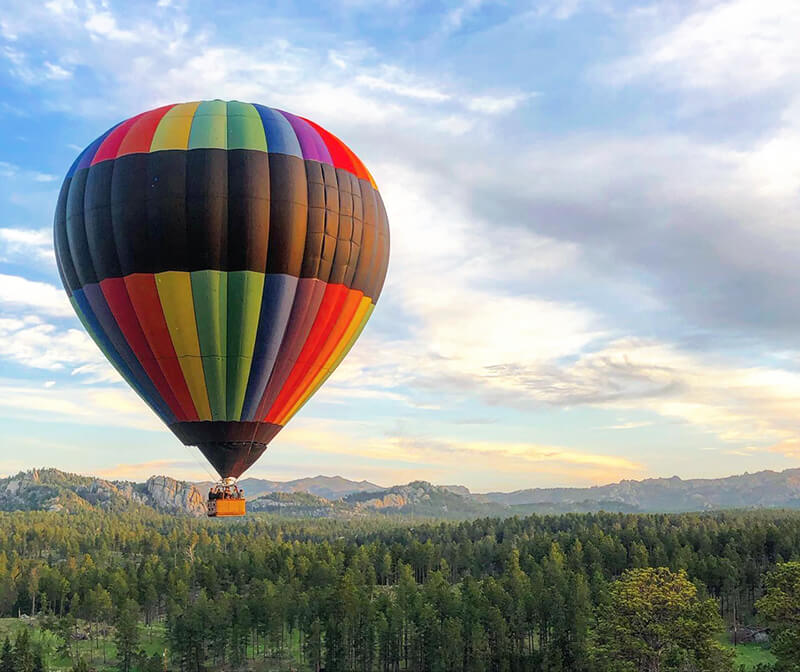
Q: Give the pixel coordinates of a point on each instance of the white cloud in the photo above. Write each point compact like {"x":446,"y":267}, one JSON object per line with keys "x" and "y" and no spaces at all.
{"x":393,"y":80}
{"x":26,"y":245}
{"x":497,"y":104}
{"x":33,"y":73}
{"x":102,"y":406}
{"x":61,"y":7}
{"x":55,"y":71}
{"x":438,"y":458}
{"x":629,"y":425}
{"x":192,"y":64}
{"x":8,"y":169}
{"x":736,"y":48}
{"x":560,"y":10}
{"x":461,"y":322}
{"x":14,"y":171}
{"x":103,"y":25}
{"x":31,"y":342}
{"x":457,"y":16}
{"x":17,"y":292}
{"x":475,"y":330}
{"x":736,"y":402}
{"x":183,"y":469}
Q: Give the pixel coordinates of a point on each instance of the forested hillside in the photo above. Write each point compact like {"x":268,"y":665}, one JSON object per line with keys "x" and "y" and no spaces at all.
{"x":336,"y":497}
{"x":54,"y":490}
{"x":368,"y":595}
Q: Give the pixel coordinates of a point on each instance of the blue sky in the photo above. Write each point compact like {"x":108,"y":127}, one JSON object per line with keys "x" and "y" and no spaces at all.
{"x":594,"y":213}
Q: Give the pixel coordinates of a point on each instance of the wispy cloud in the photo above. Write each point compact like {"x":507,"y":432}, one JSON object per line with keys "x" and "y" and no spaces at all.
{"x":141,"y":471}
{"x":393,"y":80}
{"x":439,"y":456}
{"x":498,"y":104}
{"x":458,"y":15}
{"x":102,"y":406}
{"x":26,"y":245}
{"x":735,"y":48}
{"x":20,"y":293}
{"x":788,"y":447}
{"x":628,"y":425}
{"x":102,"y":25}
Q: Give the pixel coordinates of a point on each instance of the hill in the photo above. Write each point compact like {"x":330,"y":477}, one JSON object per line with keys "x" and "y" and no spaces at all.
{"x":420,"y":498}
{"x":765,"y":489}
{"x":326,"y":496}
{"x":417,"y":499}
{"x":328,"y":487}
{"x":54,"y":490}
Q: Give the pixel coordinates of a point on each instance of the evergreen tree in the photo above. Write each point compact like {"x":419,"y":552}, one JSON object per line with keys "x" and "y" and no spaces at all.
{"x":313,"y":645}
{"x":127,"y":634}
{"x":38,"y":660}
{"x":780,"y":606}
{"x":7,"y":661}
{"x":23,"y":652}
{"x":655,"y":621}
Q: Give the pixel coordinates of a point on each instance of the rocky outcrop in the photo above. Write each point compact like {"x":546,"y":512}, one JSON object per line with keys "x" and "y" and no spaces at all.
{"x":167,"y":494}
{"x":54,"y":490}
{"x":457,"y":490}
{"x":390,"y":501}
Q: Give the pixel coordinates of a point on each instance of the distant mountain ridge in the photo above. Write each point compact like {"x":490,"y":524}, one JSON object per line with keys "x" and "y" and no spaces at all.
{"x":328,"y":487}
{"x":764,"y":489}
{"x":334,"y":496}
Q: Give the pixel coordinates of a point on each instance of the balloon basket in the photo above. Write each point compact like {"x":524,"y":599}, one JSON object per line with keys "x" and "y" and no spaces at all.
{"x":225,"y":500}
{"x":225,"y":508}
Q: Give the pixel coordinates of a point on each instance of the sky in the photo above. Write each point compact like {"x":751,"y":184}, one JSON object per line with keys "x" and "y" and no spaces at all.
{"x":594,"y":208}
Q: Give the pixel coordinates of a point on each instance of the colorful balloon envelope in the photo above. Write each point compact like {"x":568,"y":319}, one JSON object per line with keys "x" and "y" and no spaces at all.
{"x":224,"y":256}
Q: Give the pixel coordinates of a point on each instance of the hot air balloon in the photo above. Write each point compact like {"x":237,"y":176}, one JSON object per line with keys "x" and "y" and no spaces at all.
{"x":225,"y":257}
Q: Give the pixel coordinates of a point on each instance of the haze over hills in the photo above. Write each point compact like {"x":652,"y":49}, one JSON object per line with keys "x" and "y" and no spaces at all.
{"x":764,"y":489}
{"x":325,"y":496}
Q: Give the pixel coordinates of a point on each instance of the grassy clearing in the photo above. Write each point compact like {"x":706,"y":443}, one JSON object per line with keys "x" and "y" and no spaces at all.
{"x":100,"y":654}
{"x":751,"y":655}
{"x":152,"y":641}
{"x":748,"y":655}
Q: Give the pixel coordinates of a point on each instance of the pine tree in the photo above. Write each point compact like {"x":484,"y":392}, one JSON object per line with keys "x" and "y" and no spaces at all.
{"x":313,"y":645}
{"x":655,"y":620}
{"x":781,"y":608}
{"x":7,"y":661}
{"x":23,"y":653}
{"x":38,"y":660}
{"x":127,"y":635}
{"x":80,"y":665}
